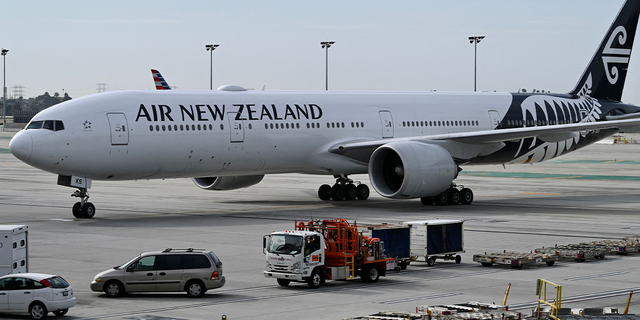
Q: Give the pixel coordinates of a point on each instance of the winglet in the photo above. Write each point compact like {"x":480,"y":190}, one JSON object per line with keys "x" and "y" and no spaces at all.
{"x":605,"y":76}
{"x":161,"y":84}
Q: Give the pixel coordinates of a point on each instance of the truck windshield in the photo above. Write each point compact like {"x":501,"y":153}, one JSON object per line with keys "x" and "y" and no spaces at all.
{"x":285,"y":244}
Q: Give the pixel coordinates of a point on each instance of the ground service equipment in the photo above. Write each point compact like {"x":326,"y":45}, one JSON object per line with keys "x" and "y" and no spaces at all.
{"x":13,"y":249}
{"x":436,"y":239}
{"x":396,"y":239}
{"x":324,"y":250}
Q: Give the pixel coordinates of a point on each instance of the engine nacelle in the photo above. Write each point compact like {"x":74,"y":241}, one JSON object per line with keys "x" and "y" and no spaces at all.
{"x":226,"y":183}
{"x":409,"y":169}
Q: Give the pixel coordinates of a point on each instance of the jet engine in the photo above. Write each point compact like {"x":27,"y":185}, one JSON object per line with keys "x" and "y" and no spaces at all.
{"x":409,"y":169}
{"x":226,"y":183}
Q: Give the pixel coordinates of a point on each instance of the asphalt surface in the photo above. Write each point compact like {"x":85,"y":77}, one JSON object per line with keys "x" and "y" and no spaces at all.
{"x":591,"y":194}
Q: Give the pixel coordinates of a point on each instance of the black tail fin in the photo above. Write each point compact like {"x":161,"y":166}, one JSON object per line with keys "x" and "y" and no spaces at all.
{"x":604,"y":77}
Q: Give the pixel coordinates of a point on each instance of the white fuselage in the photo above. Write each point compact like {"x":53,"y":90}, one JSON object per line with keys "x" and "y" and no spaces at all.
{"x":170,"y":134}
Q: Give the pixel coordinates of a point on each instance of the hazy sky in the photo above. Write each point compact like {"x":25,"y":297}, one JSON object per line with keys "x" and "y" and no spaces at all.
{"x":380,"y":45}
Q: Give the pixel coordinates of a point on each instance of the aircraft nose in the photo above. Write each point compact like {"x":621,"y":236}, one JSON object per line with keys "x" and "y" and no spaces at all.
{"x":21,"y":146}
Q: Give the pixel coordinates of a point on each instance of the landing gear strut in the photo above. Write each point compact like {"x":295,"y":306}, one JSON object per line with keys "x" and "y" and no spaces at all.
{"x":83,"y":209}
{"x":456,"y":194}
{"x":344,"y":189}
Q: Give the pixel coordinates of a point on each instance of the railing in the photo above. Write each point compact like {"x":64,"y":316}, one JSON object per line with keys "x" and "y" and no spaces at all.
{"x":542,"y":298}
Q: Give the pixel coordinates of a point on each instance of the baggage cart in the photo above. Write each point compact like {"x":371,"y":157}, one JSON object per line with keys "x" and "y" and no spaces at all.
{"x":515,"y":259}
{"x":436,"y":239}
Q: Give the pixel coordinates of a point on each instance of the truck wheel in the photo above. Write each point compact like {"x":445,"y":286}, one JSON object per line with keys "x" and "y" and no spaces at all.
{"x":458,"y":259}
{"x":487,"y":264}
{"x":431,"y":261}
{"x":315,"y":280}
{"x":550,"y":263}
{"x":403,"y":265}
{"x":283,"y":282}
{"x":370,"y":274}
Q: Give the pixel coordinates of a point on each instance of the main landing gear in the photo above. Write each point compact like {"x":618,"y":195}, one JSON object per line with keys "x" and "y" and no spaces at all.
{"x":452,"y":196}
{"x":83,"y":209}
{"x":343,"y":189}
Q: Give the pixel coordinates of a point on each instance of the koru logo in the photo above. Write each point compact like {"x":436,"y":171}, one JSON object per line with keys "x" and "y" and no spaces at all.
{"x":612,"y":55}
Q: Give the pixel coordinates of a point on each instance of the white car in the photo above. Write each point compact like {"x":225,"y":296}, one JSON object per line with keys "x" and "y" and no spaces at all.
{"x":36,"y":294}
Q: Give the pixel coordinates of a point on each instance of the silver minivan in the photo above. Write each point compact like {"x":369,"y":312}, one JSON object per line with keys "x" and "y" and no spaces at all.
{"x":192,"y":270}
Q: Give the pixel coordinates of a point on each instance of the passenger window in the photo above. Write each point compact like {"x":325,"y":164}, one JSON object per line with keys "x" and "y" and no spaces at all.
{"x":144,"y":264}
{"x":35,"y":125}
{"x":6,"y":284}
{"x":59,"y":125}
{"x":193,"y":261}
{"x":169,"y":262}
{"x":22,"y":284}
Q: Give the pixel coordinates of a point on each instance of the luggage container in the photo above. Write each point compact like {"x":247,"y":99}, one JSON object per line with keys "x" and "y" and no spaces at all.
{"x":14,"y":256}
{"x":436,"y":239}
{"x":396,"y":239}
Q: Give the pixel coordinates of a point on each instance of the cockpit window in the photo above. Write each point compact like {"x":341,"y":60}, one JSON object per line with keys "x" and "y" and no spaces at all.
{"x":59,"y":125}
{"x":53,"y":125}
{"x":35,"y":125}
{"x":48,"y":124}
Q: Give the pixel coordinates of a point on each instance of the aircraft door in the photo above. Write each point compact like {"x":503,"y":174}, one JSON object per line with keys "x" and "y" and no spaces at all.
{"x":387,"y":124}
{"x":495,"y":119}
{"x":119,"y":129}
{"x":236,"y":128}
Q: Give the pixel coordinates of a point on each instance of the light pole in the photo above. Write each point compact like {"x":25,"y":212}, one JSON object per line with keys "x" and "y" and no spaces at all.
{"x":4,"y":88}
{"x":326,"y":45}
{"x":475,"y":40}
{"x":211,"y":47}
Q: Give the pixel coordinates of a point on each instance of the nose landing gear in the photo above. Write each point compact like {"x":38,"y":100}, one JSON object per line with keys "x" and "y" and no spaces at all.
{"x":344,"y":189}
{"x":83,"y":209}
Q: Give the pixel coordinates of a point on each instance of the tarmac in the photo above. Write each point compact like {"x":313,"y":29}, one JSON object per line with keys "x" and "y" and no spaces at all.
{"x":588,"y":195}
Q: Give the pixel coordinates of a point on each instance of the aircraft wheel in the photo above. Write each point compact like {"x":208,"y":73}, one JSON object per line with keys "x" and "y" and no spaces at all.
{"x":443,"y":198}
{"x":350,"y":192}
{"x":88,"y":210}
{"x":337,"y":192}
{"x":427,"y":201}
{"x":466,"y":196}
{"x":324,"y":192}
{"x":362,"y":192}
{"x":454,"y":196}
{"x":76,"y":210}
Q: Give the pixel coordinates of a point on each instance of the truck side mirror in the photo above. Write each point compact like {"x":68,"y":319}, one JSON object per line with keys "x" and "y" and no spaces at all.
{"x":264,"y":244}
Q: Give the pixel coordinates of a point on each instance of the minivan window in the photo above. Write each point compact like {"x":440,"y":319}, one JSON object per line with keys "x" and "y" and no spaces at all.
{"x":215,"y":259}
{"x":193,"y":261}
{"x":169,"y":262}
{"x":144,"y":264}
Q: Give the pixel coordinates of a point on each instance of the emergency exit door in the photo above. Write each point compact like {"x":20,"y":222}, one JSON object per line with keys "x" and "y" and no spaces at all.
{"x":237,"y":128}
{"x":495,"y":118}
{"x":387,"y":124}
{"x":119,"y":129}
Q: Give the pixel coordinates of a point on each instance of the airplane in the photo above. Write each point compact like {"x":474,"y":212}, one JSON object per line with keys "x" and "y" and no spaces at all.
{"x":411,"y":144}
{"x":159,"y":81}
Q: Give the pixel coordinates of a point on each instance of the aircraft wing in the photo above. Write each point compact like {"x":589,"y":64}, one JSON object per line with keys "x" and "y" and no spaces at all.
{"x":361,"y":149}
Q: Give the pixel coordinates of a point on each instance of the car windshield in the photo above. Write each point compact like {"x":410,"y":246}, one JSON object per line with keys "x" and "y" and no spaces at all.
{"x":285,"y":244}
{"x":126,"y":263}
{"x":58,"y":282}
